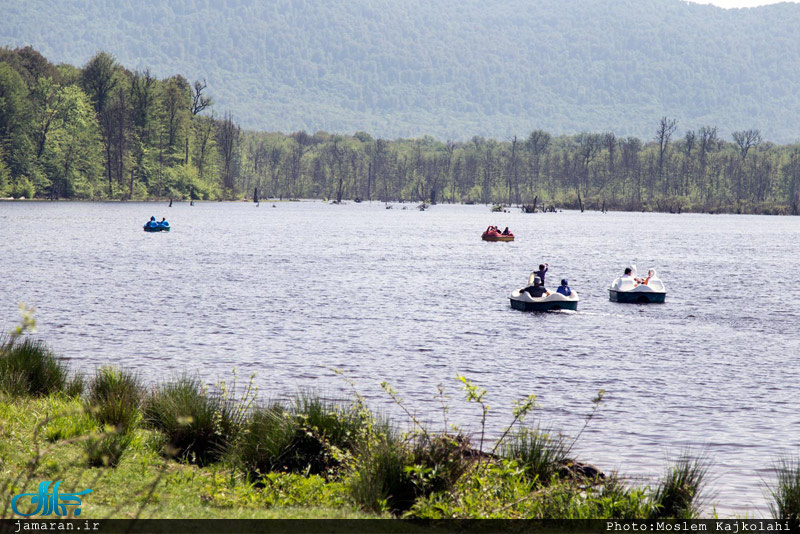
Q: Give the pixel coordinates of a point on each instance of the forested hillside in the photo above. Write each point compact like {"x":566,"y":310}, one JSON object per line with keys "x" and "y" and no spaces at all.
{"x":451,"y":68}
{"x":102,"y":131}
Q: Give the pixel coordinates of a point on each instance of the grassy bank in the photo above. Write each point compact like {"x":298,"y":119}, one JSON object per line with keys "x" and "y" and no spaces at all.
{"x":179,"y":449}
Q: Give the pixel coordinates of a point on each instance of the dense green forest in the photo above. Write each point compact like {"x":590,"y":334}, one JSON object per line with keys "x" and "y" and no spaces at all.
{"x":451,"y":68}
{"x":105,"y":132}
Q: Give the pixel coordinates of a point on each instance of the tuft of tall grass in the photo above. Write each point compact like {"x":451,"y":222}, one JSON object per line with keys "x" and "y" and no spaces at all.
{"x":537,"y":452}
{"x":390,"y":474}
{"x":266,"y":443}
{"x":617,"y":501}
{"x":678,"y":495}
{"x":310,"y":436}
{"x":323,"y":429}
{"x":76,"y":386}
{"x":199,"y":426}
{"x":114,"y":398}
{"x":382,"y":478}
{"x":29,"y":367}
{"x":786,"y":492}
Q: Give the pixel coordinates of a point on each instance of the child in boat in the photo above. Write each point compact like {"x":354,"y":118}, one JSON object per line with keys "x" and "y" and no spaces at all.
{"x":564,"y":288}
{"x":542,"y":271}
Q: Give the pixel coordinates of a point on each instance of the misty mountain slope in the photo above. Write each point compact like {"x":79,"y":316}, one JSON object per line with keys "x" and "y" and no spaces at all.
{"x":448,"y":68}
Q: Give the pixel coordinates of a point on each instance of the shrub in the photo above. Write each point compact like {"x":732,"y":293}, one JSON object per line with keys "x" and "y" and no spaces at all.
{"x":786,"y":492}
{"x":28,"y":367}
{"x":199,"y":426}
{"x":678,"y":494}
{"x":539,"y":454}
{"x":114,"y":398}
{"x":439,"y":461}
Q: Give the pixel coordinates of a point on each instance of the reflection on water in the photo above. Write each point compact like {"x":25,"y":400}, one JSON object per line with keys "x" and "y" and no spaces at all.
{"x":416,"y":298}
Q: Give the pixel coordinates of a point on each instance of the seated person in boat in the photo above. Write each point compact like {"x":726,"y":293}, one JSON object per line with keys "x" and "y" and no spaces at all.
{"x":628,"y":276}
{"x":537,"y":290}
{"x":164,"y":222}
{"x":564,"y":288}
{"x":542,"y":271}
{"x":506,"y":232}
{"x":650,"y":274}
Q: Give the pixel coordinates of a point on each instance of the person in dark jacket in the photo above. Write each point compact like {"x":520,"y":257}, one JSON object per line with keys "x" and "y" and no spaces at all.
{"x":537,"y":290}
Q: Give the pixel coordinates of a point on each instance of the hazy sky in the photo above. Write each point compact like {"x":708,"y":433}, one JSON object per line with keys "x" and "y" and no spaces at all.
{"x":742,"y":3}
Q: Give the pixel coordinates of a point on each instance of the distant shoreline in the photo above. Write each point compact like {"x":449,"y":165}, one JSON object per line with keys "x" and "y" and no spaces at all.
{"x":778,"y":210}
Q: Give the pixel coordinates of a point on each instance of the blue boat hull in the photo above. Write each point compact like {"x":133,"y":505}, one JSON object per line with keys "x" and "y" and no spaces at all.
{"x":636,"y":297}
{"x":156,"y":228}
{"x":543,"y":306}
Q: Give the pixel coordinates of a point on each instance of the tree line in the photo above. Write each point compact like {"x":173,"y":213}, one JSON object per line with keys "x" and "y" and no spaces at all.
{"x":105,"y":132}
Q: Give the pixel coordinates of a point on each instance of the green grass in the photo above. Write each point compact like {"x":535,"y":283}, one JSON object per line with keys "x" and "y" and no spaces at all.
{"x":786,"y":491}
{"x":106,"y":449}
{"x":144,"y":483}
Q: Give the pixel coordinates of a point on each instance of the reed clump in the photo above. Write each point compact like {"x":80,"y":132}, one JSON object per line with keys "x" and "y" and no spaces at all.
{"x":539,"y":453}
{"x":786,"y":491}
{"x":199,"y":425}
{"x":29,"y":367}
{"x":114,"y":398}
{"x":678,"y":495}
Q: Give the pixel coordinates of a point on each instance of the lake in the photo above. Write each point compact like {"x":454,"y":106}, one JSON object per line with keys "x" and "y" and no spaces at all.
{"x":416,"y":298}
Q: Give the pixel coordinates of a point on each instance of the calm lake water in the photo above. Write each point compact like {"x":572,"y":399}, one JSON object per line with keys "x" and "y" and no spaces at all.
{"x":416,"y":298}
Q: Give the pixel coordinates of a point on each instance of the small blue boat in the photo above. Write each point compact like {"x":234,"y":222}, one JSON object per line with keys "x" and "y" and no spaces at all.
{"x":154,"y":226}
